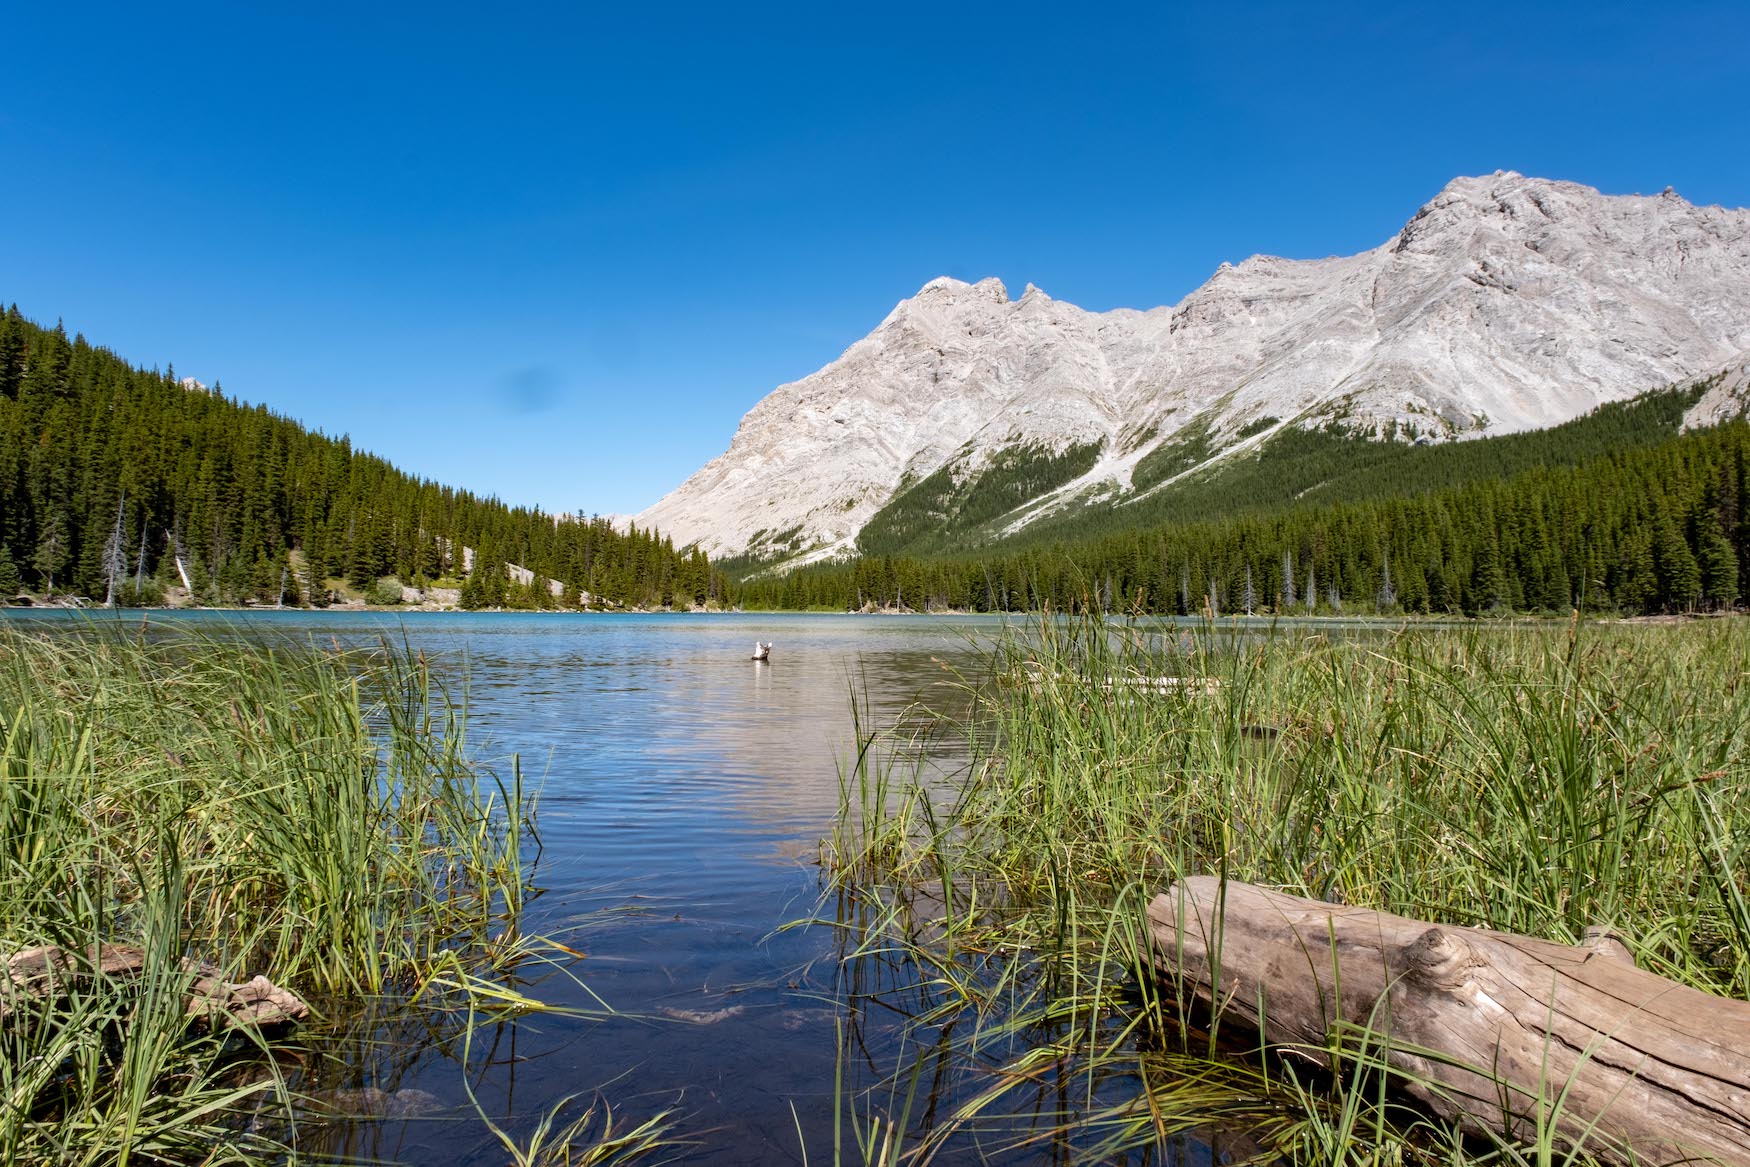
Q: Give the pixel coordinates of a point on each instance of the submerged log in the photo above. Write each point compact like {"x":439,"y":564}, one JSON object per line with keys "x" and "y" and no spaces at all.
{"x":49,"y":971}
{"x":1037,"y":675}
{"x":1486,"y":1028}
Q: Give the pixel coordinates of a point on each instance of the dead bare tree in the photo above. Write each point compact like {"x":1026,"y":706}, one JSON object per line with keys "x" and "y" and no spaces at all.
{"x":115,"y":552}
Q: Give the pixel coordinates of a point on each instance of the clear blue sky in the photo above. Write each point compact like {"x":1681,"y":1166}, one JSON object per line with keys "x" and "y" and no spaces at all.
{"x":553,"y":252}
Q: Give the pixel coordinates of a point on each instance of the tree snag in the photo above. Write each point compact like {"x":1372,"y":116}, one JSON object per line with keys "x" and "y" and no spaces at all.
{"x":1498,"y":1032}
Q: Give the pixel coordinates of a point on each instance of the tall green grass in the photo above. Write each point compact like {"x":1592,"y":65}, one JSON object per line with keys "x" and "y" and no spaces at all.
{"x":1533,"y":779}
{"x":307,"y":814}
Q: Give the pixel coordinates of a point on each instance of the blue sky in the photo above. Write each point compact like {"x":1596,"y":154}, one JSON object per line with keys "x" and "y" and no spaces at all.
{"x":553,"y":252}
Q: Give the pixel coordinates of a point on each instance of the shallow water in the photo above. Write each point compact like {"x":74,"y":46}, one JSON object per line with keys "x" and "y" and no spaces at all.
{"x":684,"y":790}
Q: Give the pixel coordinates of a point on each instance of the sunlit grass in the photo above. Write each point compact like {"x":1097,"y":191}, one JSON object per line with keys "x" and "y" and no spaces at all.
{"x":312,"y":815}
{"x":1534,"y":780}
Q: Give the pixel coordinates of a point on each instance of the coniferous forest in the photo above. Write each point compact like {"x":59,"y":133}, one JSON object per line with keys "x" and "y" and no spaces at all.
{"x":1647,"y":527}
{"x":116,"y":482}
{"x":111,"y":474}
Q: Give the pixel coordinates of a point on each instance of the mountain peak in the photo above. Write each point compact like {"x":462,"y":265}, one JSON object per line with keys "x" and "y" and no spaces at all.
{"x":947,"y":289}
{"x":1506,"y":303}
{"x":1495,"y":178}
{"x":1490,"y":190}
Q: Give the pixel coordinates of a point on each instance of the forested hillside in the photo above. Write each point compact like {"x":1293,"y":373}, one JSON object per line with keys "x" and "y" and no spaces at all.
{"x":1300,"y":466}
{"x":1293,"y":466}
{"x":109,"y":472}
{"x":1645,"y":528}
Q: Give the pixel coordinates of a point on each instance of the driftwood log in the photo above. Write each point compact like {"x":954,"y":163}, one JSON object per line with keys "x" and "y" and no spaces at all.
{"x":48,"y":971}
{"x":1488,"y":1028}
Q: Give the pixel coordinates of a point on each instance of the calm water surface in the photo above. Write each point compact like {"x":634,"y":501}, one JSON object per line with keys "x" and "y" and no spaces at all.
{"x":684,"y":792}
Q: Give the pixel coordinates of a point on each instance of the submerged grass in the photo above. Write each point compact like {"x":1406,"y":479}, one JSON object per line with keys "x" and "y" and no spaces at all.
{"x":307,"y":814}
{"x":1534,"y":780}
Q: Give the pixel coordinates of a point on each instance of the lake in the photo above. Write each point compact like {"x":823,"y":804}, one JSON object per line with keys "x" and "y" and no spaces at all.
{"x":684,"y":790}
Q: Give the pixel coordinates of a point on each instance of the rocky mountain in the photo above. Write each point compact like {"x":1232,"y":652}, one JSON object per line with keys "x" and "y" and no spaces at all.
{"x":1506,"y":303}
{"x":1727,"y":395}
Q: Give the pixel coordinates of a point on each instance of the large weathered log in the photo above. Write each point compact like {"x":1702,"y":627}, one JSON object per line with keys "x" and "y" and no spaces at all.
{"x":49,"y":971}
{"x":1489,"y":1028}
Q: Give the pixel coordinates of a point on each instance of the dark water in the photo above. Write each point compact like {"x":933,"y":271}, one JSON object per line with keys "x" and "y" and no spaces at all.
{"x":684,"y":793}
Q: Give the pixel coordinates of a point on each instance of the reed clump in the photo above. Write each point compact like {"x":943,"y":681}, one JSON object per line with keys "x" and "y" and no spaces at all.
{"x":309,"y":814}
{"x":1535,"y":779}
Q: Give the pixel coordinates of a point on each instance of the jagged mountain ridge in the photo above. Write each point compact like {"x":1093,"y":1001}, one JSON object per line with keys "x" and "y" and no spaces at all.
{"x":1506,"y":303}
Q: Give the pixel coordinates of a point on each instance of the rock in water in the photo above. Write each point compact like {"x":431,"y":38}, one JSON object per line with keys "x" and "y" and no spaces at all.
{"x":704,"y":1016}
{"x":372,"y":1102}
{"x":48,"y":970}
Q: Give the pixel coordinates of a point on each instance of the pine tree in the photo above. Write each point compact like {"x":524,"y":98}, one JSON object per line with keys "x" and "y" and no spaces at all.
{"x":1717,"y":561}
{"x":1678,"y":574}
{"x":51,"y":551}
{"x":470,"y":599}
{"x":11,"y":353}
{"x":361,"y":571}
{"x":1635,"y":581}
{"x":315,"y":584}
{"x":1489,"y":581}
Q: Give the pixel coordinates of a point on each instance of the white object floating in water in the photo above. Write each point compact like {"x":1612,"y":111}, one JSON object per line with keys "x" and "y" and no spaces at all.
{"x":762,"y":651}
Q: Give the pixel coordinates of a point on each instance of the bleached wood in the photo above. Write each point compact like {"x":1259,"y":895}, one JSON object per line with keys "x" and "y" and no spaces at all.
{"x":47,"y":970}
{"x":1489,"y":1028}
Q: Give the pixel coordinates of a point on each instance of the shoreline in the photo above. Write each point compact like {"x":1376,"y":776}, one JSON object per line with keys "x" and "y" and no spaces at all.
{"x":1265,"y":620}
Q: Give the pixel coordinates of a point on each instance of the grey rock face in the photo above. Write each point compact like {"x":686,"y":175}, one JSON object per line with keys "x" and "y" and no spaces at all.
{"x":1506,"y":303}
{"x":1726,"y":395}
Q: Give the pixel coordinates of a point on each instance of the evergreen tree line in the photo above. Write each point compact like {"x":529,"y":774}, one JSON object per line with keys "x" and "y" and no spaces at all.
{"x":111,"y":474}
{"x":1338,"y":462}
{"x":1654,"y":528}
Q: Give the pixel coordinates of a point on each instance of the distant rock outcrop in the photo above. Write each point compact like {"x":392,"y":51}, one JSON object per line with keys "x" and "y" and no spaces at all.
{"x":1727,"y":395}
{"x":1506,"y":303}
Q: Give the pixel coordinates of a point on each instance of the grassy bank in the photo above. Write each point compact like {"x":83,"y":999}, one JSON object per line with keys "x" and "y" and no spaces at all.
{"x":1531,"y":779}
{"x":305,"y":814}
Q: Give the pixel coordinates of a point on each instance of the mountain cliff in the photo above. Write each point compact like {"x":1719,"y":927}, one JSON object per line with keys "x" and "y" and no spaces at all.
{"x":1506,"y":303}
